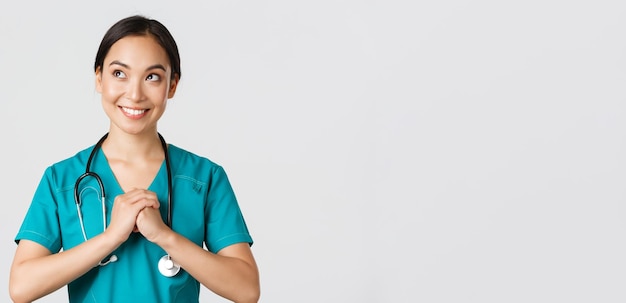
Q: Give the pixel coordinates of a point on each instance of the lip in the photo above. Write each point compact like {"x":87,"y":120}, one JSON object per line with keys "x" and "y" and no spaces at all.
{"x":133,"y":113}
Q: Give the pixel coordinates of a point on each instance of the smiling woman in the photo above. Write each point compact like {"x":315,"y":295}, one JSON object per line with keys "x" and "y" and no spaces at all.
{"x":135,"y":81}
{"x":163,"y":204}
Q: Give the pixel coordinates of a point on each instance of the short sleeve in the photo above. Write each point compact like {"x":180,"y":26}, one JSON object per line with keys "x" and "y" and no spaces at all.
{"x":41,"y":223}
{"x":226,"y":225}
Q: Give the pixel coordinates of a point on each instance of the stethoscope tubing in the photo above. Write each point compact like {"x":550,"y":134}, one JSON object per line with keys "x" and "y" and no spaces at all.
{"x":170,"y":268}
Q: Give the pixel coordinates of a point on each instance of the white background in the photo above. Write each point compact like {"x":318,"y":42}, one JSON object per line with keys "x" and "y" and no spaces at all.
{"x":381,"y":151}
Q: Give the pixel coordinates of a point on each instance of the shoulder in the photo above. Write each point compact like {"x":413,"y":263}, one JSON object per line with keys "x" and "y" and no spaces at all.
{"x":65,"y":172}
{"x":185,"y":162}
{"x":181,"y":155}
{"x":78,"y":159}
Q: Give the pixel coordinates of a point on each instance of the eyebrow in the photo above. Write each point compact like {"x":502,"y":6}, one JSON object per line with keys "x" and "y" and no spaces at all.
{"x":154,"y":66}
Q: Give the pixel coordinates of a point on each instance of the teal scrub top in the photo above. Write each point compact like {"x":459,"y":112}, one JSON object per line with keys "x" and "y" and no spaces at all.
{"x":204,"y":210}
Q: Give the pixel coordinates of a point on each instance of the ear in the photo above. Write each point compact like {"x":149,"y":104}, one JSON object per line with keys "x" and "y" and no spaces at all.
{"x":173,"y":86}
{"x":99,"y":79}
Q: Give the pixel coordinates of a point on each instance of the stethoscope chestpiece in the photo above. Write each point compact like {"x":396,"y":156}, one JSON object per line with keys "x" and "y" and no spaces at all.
{"x":168,"y":267}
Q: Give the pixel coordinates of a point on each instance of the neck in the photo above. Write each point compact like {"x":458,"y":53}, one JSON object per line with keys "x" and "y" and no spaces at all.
{"x":129,"y":147}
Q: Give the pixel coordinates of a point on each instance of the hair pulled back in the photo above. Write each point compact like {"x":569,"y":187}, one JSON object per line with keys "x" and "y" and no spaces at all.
{"x":140,"y":26}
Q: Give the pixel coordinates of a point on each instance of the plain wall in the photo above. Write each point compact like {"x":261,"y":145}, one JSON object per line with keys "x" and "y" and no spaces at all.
{"x":381,"y":151}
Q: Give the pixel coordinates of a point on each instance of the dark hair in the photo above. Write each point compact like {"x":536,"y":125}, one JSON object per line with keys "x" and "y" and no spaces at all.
{"x":139,"y":26}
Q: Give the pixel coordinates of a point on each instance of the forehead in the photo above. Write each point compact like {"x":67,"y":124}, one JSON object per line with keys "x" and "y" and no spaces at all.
{"x":137,"y":51}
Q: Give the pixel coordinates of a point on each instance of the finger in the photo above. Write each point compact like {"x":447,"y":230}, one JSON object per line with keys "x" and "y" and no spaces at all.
{"x":145,"y":197}
{"x":150,"y":201}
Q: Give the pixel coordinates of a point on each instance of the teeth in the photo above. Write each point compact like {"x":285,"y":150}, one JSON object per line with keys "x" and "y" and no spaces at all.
{"x":134,"y":112}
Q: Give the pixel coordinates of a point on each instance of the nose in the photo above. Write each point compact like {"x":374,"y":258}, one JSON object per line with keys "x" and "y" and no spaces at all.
{"x":135,"y":91}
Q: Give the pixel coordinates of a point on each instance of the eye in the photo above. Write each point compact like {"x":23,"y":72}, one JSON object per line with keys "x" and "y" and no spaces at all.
{"x":119,"y":74}
{"x":153,"y":77}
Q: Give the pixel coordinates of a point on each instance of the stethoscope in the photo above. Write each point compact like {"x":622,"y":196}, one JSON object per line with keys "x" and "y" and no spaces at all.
{"x":166,"y":265}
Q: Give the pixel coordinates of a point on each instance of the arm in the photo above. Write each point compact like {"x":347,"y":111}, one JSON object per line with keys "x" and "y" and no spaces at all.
{"x":36,"y":272}
{"x":231,"y":273}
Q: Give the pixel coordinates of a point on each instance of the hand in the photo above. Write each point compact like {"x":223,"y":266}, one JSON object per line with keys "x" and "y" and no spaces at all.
{"x":126,"y":208}
{"x":150,"y":223}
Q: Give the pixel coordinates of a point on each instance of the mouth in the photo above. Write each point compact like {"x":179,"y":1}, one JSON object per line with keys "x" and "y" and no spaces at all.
{"x":133,"y":113}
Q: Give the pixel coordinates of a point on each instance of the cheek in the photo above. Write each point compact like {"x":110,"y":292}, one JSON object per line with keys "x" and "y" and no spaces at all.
{"x":156,"y":92}
{"x":111,"y":89}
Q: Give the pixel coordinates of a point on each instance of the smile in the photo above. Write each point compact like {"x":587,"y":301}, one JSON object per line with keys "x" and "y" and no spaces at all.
{"x":133,"y":112}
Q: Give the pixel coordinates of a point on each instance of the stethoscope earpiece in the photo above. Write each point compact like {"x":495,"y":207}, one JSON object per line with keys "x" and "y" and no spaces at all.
{"x":111,"y":259}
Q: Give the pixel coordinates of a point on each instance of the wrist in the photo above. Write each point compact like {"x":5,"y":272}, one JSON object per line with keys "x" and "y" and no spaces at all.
{"x":113,"y":240}
{"x":165,"y":239}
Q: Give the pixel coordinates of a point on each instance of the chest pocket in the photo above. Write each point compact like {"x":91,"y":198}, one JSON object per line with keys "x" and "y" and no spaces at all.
{"x":188,"y":208}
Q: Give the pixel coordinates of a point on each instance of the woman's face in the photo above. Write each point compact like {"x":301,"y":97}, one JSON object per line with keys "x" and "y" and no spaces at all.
{"x":135,"y":83}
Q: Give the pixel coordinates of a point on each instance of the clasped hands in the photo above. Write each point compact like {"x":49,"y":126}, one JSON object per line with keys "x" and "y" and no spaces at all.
{"x":136,"y":211}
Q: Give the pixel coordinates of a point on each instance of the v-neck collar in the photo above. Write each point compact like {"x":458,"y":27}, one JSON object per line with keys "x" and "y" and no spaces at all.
{"x":113,"y":189}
